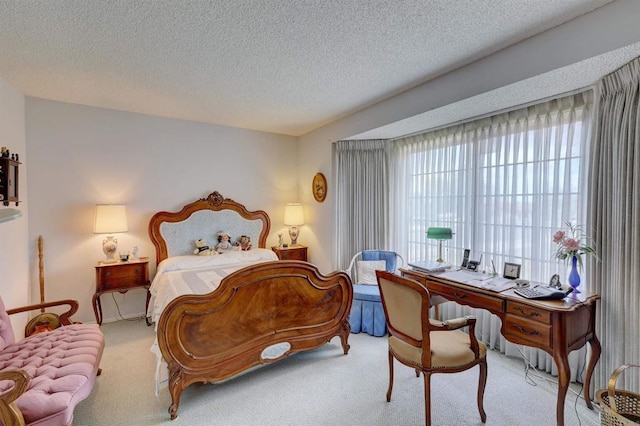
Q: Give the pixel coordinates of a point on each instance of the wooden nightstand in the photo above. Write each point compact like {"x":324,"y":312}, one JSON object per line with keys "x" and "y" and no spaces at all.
{"x":291,"y":253}
{"x":120,"y":277}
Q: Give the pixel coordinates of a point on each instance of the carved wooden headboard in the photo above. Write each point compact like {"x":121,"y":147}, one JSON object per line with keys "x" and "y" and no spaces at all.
{"x":174,"y":233}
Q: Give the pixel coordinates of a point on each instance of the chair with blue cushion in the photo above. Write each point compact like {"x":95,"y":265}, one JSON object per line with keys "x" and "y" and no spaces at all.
{"x":367,"y":313}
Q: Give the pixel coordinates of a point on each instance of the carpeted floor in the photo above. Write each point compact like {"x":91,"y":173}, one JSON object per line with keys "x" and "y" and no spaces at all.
{"x":321,"y":387}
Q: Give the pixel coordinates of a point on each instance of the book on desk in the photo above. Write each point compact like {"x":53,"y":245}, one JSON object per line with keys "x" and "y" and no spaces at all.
{"x":429,"y":266}
{"x":463,"y":276}
{"x":498,"y":284}
{"x":478,"y":279}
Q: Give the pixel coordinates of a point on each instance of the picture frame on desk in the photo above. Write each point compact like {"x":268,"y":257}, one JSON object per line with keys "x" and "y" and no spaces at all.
{"x":511,"y":271}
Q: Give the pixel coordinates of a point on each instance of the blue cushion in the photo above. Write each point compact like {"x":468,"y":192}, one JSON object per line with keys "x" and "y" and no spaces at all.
{"x":367,"y":292}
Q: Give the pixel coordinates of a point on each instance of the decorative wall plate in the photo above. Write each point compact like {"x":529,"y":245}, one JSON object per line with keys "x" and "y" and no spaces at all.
{"x":319,"y":187}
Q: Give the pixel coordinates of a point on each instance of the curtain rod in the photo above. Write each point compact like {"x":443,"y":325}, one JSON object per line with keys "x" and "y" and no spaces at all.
{"x":501,"y":111}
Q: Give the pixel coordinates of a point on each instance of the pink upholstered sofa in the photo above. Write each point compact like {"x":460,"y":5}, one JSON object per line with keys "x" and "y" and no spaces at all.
{"x":44,"y":376}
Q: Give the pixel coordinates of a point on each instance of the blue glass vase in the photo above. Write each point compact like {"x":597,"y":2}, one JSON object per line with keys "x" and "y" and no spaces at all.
{"x":574,"y":276}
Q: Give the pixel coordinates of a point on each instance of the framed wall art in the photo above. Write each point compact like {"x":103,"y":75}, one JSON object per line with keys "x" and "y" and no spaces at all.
{"x":319,"y":187}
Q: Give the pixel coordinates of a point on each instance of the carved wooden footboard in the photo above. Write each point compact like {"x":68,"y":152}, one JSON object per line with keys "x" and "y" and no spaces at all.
{"x":259,"y":314}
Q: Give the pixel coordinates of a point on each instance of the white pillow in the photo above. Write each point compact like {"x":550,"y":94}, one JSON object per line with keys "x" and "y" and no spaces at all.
{"x":366,"y":271}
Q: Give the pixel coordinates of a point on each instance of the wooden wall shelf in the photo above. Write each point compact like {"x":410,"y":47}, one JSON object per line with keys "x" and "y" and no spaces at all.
{"x":9,"y":181}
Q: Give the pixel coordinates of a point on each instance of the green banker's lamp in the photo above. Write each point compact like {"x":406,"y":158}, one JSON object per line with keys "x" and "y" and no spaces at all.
{"x":439,"y":234}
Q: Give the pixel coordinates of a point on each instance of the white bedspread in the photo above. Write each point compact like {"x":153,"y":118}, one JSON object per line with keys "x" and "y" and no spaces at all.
{"x":180,"y":275}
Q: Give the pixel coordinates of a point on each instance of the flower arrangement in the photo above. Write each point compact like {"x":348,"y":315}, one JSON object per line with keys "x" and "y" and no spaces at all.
{"x":571,"y":244}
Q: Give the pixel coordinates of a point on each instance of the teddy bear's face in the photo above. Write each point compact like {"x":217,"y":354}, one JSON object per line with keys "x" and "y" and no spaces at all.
{"x":202,"y":248}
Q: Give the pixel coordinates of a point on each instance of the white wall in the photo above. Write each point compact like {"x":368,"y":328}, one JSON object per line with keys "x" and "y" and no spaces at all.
{"x":315,"y":157}
{"x":14,"y":254}
{"x":611,"y":27}
{"x":81,"y":156}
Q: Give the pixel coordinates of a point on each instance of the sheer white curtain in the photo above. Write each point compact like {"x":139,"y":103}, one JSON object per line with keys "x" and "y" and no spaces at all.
{"x":362,"y":202}
{"x":614,"y":206}
{"x":504,"y":184}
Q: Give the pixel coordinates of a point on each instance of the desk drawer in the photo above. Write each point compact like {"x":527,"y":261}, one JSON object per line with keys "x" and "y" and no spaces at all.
{"x":465,"y":297}
{"x":527,"y":332}
{"x":529,"y":312}
{"x":416,"y":277}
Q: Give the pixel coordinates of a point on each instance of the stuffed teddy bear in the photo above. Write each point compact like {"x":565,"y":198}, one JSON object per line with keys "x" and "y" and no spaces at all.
{"x":202,"y":248}
{"x":245,"y":243}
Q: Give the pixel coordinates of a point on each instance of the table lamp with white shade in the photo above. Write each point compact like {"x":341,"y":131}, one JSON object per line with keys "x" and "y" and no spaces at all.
{"x":110,"y":219}
{"x":293,"y":217}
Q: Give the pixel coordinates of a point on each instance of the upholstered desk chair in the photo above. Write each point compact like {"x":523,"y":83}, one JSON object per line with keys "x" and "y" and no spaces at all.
{"x":367,"y":313}
{"x":428,"y":346}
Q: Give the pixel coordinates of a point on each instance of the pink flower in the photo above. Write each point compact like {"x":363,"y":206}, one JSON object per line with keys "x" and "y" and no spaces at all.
{"x":571,"y":244}
{"x":558,"y":236}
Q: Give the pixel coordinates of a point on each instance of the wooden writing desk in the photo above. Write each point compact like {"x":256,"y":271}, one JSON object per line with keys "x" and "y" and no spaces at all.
{"x":555,"y":326}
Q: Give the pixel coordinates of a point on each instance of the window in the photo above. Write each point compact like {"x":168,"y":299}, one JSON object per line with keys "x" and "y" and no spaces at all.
{"x":504,"y":184}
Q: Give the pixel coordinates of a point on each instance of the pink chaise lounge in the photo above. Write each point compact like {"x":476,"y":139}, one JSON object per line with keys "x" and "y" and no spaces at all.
{"x":44,"y":376}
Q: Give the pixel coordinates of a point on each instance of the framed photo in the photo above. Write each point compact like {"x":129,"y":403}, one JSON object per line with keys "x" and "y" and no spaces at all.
{"x":555,"y":281}
{"x":511,"y":271}
{"x":319,"y":187}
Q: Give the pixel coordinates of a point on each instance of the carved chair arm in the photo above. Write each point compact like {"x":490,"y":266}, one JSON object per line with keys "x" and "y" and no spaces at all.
{"x":65,"y":318}
{"x":457,"y":323}
{"x":10,"y":414}
{"x":453,"y":324}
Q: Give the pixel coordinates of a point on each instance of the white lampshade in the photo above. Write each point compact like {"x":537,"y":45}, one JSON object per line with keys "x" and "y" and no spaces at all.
{"x":293,"y":217}
{"x":110,"y":219}
{"x":293,"y":214}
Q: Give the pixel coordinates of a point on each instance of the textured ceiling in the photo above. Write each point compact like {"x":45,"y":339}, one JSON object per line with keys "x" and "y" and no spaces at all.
{"x":272,"y":65}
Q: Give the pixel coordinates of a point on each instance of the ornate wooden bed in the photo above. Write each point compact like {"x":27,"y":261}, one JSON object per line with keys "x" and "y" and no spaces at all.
{"x":258,"y":314}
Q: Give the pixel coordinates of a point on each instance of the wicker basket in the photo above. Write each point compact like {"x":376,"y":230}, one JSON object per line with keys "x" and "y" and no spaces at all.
{"x":618,"y":408}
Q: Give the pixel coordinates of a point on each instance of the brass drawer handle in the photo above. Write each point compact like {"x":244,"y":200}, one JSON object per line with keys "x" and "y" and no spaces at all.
{"x":107,"y":274}
{"x":522,"y":330}
{"x":459,"y":295}
{"x":532,"y":314}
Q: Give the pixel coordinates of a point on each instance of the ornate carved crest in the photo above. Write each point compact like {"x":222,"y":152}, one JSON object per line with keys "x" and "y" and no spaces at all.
{"x":215,"y":198}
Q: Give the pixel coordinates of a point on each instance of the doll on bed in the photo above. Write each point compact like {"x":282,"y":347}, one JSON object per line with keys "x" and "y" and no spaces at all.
{"x":224,"y":243}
